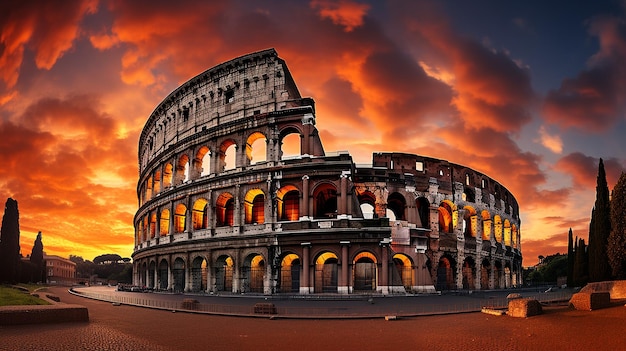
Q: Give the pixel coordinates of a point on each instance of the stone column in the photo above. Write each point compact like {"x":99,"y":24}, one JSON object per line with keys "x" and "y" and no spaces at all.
{"x":384,"y":274}
{"x":304,"y":282}
{"x":304,"y":215}
{"x":343,"y":188}
{"x":344,"y":286}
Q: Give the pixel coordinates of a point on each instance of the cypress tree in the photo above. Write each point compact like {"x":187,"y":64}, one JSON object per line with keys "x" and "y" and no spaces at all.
{"x":10,"y":243}
{"x":570,"y":259}
{"x":616,"y":248}
{"x":599,"y":268}
{"x":580,"y":264}
{"x":36,"y":258}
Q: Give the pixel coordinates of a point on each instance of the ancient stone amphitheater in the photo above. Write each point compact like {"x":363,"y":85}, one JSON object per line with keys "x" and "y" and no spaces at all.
{"x":226,"y":207}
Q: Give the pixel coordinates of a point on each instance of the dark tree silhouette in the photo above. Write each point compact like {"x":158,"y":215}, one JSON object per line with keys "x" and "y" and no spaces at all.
{"x":599,"y":268}
{"x":616,"y":248}
{"x":36,"y":258}
{"x":580,"y":265}
{"x":10,"y":243}
{"x":570,"y":259}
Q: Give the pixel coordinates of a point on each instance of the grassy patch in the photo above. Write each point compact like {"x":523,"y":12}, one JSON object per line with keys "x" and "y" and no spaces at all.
{"x":11,"y":297}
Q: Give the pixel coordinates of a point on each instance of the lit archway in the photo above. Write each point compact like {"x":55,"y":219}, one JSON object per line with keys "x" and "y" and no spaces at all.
{"x":164,"y":225}
{"x":290,"y":268}
{"x":326,"y":273}
{"x":223,"y":273}
{"x":256,"y":148}
{"x":199,"y":274}
{"x":288,"y":203}
{"x":180,"y":217}
{"x":365,"y":271}
{"x":254,"y":206}
{"x":225,"y":210}
{"x":253,"y":272}
{"x":325,"y":196}
{"x":200,"y":214}
{"x":403,"y":273}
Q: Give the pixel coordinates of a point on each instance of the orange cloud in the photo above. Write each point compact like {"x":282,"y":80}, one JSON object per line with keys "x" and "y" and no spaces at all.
{"x":584,"y":170}
{"x":345,"y":13}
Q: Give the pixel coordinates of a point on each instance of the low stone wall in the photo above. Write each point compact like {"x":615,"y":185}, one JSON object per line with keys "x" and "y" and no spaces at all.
{"x":36,"y":314}
{"x":617,"y":288}
{"x":584,"y":301}
{"x":524,"y":308}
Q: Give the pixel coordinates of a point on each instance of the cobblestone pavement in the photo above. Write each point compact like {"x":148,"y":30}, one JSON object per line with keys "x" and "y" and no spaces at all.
{"x":134,"y":328}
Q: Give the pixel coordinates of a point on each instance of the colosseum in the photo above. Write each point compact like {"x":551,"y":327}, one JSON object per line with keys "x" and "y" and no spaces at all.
{"x":225,"y":206}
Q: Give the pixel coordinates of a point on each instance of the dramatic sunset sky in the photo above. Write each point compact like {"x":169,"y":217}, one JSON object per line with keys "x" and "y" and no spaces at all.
{"x":532,"y":93}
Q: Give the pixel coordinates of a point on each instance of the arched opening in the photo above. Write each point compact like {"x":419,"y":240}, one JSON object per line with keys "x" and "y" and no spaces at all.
{"x":486,"y":225}
{"x":254,"y":205}
{"x":397,"y":204}
{"x":470,"y":222}
{"x":157,"y":182}
{"x":497,"y":275}
{"x":497,"y":224}
{"x":507,"y":233}
{"x":178,"y":273}
{"x":507,"y":275}
{"x":485,"y":271}
{"x":145,"y":229}
{"x":365,"y":272}
{"x":149,"y":193}
{"x":203,"y":161}
{"x":143,"y":272}
{"x":445,"y":273}
{"x":180,"y":218}
{"x":290,"y":268}
{"x":164,"y":225}
{"x":288,"y":203}
{"x":163,"y":275}
{"x":151,"y":275}
{"x":182,"y":169}
{"x":256,"y":148}
{"x":225,"y":210}
{"x":469,"y":272}
{"x":152,"y":225}
{"x":198,"y":274}
{"x":167,"y":175}
{"x":469,"y":195}
{"x":224,"y":274}
{"x":200,"y":214}
{"x":367,"y":202}
{"x":228,"y":155}
{"x":326,"y":273}
{"x":325,"y":201}
{"x":423,"y":211}
{"x":290,"y":145}
{"x":403,"y":272}
{"x":253,"y":272}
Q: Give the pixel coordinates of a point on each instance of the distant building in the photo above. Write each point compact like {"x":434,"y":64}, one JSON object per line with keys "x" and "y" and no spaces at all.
{"x":59,"y":270}
{"x":223,"y":208}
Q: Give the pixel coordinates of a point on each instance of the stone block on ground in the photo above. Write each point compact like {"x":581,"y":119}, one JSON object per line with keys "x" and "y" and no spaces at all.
{"x":524,"y":308}
{"x":584,"y":301}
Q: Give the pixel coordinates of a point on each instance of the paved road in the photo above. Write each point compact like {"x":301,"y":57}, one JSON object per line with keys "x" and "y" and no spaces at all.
{"x":134,"y":328}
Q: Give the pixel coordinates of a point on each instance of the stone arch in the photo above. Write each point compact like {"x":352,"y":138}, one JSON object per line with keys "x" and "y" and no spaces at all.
{"x":446,"y":273}
{"x":497,"y":226}
{"x":152,"y":225}
{"x":227,"y":155}
{"x":447,"y":216}
{"x":178,"y":274}
{"x":200,"y":214}
{"x":397,"y":204}
{"x":290,"y":270}
{"x":507,"y":275}
{"x":498,"y":275}
{"x":507,"y":233}
{"x":470,"y":222}
{"x":403,"y":272}
{"x":469,"y":273}
{"x":486,"y":216}
{"x":325,"y":200}
{"x":367,"y":202}
{"x":163,"y":275}
{"x":253,"y":273}
{"x":254,"y":206}
{"x":288,"y":203}
{"x":423,"y":211}
{"x":485,"y":271}
{"x":149,"y":192}
{"x":182,"y":169}
{"x":180,"y":218}
{"x":224,"y":273}
{"x":199,"y":274}
{"x":365,"y":272}
{"x":168,"y":172}
{"x":256,"y":148}
{"x":326,"y":273}
{"x":164,"y":223}
{"x":290,"y":142}
{"x":203,"y":161}
{"x":151,"y":275}
{"x":225,"y":210}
